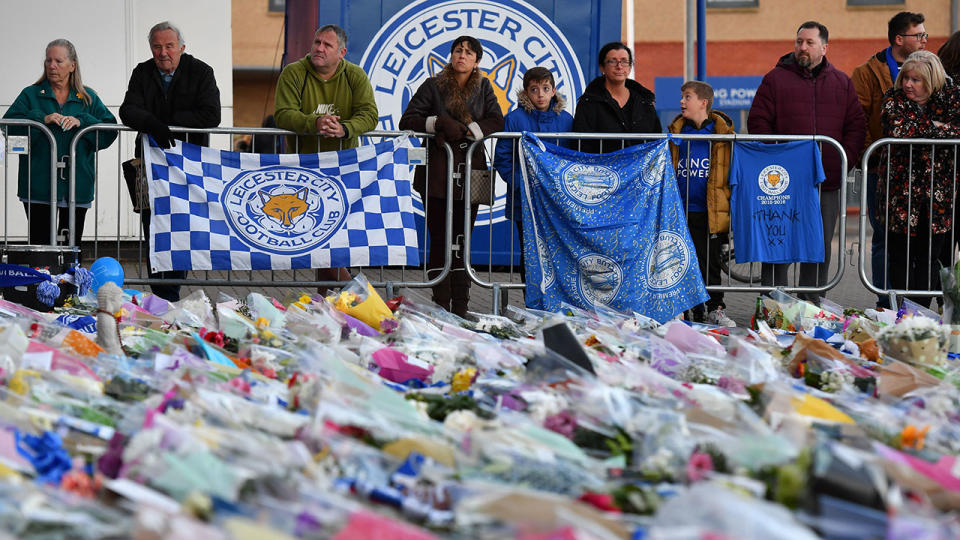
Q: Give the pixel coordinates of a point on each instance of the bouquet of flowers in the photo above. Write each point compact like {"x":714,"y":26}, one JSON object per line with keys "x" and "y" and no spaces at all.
{"x":916,"y":340}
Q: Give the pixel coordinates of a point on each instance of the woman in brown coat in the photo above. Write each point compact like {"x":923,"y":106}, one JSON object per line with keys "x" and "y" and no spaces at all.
{"x":457,"y":105}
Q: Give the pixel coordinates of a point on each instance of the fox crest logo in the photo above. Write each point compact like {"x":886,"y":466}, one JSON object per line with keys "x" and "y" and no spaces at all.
{"x":284,"y":210}
{"x":774,"y":179}
{"x":415,"y":44}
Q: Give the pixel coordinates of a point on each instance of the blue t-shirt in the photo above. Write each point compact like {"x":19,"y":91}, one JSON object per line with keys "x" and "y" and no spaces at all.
{"x":693,"y":168}
{"x":774,"y":205}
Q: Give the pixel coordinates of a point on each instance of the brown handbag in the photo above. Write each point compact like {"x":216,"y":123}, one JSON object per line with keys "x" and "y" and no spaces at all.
{"x":481,"y":182}
{"x":136,"y":184}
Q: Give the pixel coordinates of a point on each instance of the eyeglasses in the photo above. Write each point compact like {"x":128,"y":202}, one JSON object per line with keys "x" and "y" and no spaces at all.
{"x":919,"y":35}
{"x":613,"y":63}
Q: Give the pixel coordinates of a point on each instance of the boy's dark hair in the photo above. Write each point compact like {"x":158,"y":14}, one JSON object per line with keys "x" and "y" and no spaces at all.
{"x":901,"y":22}
{"x":702,"y":90}
{"x":824,"y":34}
{"x":613,"y":46}
{"x":537,"y":74}
{"x":473,"y":42}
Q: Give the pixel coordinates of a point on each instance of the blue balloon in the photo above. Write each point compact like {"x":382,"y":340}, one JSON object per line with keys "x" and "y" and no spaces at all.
{"x":106,"y":269}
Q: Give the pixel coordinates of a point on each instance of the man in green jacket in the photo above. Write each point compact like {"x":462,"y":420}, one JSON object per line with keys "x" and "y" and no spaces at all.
{"x":326,"y":95}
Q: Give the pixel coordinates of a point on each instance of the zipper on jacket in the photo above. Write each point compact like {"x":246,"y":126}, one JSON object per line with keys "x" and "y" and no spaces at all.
{"x":815,"y":105}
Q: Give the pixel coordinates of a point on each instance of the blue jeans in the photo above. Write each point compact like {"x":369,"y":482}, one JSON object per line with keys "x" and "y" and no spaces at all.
{"x":878,"y":248}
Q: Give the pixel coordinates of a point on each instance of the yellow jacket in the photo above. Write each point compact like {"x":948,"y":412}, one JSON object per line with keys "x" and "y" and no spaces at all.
{"x":718,"y":182}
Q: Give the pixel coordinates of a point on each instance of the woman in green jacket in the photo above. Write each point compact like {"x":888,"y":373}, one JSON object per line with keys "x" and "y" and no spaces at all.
{"x":59,"y":100}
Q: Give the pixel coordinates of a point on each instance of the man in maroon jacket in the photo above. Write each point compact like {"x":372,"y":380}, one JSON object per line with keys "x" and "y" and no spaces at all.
{"x":803,"y":95}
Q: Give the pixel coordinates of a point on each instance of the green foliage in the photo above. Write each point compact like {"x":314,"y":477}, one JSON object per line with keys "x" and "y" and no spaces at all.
{"x":438,"y":406}
{"x":636,"y":499}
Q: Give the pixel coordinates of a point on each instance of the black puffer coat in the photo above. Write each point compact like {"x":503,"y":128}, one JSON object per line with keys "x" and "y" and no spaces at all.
{"x":598,"y":112}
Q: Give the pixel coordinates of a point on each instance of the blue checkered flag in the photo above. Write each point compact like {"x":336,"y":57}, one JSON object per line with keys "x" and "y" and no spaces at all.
{"x":220,"y":210}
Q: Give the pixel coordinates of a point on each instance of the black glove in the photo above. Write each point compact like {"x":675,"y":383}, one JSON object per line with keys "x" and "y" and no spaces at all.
{"x":161,"y":134}
{"x":449,"y":129}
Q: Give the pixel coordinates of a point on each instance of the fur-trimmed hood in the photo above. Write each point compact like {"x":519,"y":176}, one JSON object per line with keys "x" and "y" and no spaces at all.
{"x":559,"y":102}
{"x":457,"y":95}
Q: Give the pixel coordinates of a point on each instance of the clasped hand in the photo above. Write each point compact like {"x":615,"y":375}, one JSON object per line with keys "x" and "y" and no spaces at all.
{"x":329,"y":125}
{"x":66,"y":123}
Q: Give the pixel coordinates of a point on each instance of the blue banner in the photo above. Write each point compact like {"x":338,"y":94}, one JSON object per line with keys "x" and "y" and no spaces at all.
{"x":14,"y":275}
{"x":607,"y":229}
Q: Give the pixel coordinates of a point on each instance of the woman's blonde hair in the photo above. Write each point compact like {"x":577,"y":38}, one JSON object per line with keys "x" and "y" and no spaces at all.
{"x":927,"y":66}
{"x":76,"y":82}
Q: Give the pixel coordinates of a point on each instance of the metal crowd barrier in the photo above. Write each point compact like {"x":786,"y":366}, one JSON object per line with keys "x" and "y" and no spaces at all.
{"x":24,"y":128}
{"x":128,"y":228}
{"x":884,"y":148}
{"x":737,"y":277}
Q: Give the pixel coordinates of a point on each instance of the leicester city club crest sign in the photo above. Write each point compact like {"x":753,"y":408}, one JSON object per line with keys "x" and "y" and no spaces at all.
{"x":415,"y":44}
{"x":284,"y":209}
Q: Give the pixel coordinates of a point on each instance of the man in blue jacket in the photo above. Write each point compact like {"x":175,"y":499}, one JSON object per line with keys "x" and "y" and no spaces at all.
{"x":540,"y":110}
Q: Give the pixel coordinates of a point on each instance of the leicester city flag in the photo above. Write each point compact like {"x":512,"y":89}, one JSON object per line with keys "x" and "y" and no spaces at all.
{"x":219,"y":210}
{"x":607,"y":229}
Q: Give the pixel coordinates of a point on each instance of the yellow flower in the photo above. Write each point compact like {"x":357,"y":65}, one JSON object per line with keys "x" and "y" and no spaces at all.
{"x":303,"y":301}
{"x":463,"y":379}
{"x":346,"y":300}
{"x":18,"y":383}
{"x":261,"y":323}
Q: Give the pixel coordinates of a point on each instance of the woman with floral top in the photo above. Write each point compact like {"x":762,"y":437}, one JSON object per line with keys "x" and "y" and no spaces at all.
{"x":918,"y":206}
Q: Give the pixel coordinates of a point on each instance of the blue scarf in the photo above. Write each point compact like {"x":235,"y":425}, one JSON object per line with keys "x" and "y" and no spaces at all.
{"x":892,"y":64}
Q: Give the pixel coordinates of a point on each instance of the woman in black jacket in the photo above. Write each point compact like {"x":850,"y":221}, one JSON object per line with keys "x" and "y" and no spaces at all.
{"x":613,"y":103}
{"x":459,"y":106}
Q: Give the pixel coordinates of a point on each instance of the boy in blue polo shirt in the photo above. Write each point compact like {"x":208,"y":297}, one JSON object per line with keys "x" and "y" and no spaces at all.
{"x":703,"y":169}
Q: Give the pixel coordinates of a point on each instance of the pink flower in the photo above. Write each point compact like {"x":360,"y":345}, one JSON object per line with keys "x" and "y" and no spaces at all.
{"x":699,"y":466}
{"x":240,"y":385}
{"x":603,"y":501}
{"x":732,"y":385}
{"x":563,"y":423}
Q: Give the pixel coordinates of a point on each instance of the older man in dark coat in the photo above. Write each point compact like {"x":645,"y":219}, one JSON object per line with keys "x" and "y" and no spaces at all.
{"x":171,"y":89}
